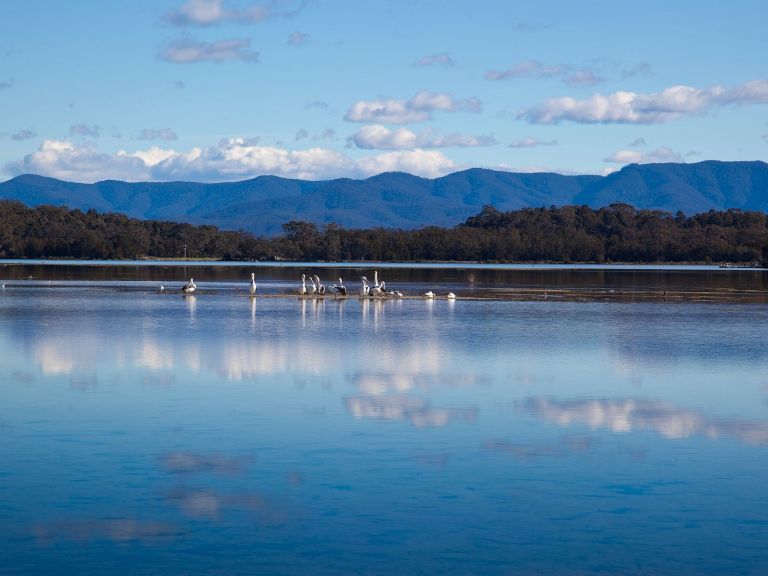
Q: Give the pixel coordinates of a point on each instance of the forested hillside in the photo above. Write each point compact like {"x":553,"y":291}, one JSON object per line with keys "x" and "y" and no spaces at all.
{"x":617,"y":233}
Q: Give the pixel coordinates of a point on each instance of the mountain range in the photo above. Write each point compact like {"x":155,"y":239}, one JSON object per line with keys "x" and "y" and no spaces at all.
{"x":399,"y":200}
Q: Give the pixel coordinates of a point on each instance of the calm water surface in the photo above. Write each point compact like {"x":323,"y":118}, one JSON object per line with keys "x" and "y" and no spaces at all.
{"x":143,"y":432}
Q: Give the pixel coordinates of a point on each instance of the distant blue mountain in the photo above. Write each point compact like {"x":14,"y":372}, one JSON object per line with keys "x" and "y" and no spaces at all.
{"x":398,"y":200}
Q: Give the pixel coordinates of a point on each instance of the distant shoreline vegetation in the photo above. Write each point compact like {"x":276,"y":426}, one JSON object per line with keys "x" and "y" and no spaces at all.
{"x":568,"y":234}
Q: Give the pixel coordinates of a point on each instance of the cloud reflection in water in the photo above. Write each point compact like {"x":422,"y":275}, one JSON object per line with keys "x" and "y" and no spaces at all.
{"x":627,"y":415}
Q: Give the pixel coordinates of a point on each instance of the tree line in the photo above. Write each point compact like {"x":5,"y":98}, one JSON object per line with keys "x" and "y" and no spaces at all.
{"x":616,"y":233}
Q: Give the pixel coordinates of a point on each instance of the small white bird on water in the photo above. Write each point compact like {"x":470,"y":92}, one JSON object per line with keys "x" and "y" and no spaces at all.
{"x":451,"y":296}
{"x":365,"y":288}
{"x":303,"y":287}
{"x":429,"y":294}
{"x":252,"y":288}
{"x":189,"y":287}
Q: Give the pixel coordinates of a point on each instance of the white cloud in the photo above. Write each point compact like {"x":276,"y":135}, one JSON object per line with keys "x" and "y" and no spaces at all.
{"x":417,"y":109}
{"x":655,"y":108}
{"x":426,"y":163}
{"x":212,"y":12}
{"x":531,"y":143}
{"x":230,"y":159}
{"x":662,"y":154}
{"x":442,"y":59}
{"x":376,"y":136}
{"x":188,"y":50}
{"x":298,"y":38}
{"x":24,"y":134}
{"x":79,"y":163}
{"x":92,"y":131}
{"x":158,"y":134}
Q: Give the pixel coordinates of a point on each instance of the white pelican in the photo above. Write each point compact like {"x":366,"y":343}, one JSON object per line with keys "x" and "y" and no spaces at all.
{"x":340,"y":288}
{"x":312,"y":290}
{"x":375,"y":290}
{"x":429,"y":294}
{"x":320,"y":287}
{"x":451,"y":296}
{"x":162,"y":287}
{"x":365,"y":288}
{"x":303,"y":287}
{"x":252,"y":288}
{"x":190,"y":287}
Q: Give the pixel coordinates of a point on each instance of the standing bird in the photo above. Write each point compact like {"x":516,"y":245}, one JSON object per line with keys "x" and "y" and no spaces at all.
{"x":189,"y":287}
{"x":312,"y":290}
{"x":375,"y":290}
{"x":365,"y":288}
{"x":320,"y":287}
{"x":303,"y":287}
{"x":252,"y":288}
{"x":340,"y":288}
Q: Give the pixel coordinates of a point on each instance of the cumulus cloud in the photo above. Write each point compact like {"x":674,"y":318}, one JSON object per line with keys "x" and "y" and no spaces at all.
{"x":417,"y":109}
{"x":212,"y":12}
{"x":442,"y":59}
{"x":229,"y":159}
{"x":531,"y":143}
{"x":79,"y":163}
{"x":298,"y":38}
{"x":376,"y":136}
{"x":662,"y":154}
{"x":158,"y":134}
{"x":91,"y":130}
{"x":535,"y":69}
{"x":655,"y":108}
{"x":24,"y":134}
{"x":188,"y":50}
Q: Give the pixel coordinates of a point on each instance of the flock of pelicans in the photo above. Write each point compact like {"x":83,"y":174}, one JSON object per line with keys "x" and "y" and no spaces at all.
{"x":317,"y":288}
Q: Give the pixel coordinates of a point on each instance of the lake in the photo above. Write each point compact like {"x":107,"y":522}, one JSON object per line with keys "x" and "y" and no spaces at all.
{"x":552,"y":421}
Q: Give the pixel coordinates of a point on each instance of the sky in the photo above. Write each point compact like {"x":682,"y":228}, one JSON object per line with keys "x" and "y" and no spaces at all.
{"x":225,"y":90}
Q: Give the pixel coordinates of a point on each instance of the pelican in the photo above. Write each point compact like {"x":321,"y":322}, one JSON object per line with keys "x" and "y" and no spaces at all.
{"x":429,"y":294}
{"x":313,"y":290}
{"x":162,"y":287}
{"x":375,"y":290}
{"x":320,"y":287}
{"x":252,"y":288}
{"x":190,"y":287}
{"x":340,"y":289}
{"x":303,"y":287}
{"x":451,"y":296}
{"x":365,"y":288}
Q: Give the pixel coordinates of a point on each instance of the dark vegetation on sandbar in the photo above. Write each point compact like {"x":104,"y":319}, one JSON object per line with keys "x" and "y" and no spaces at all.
{"x":617,"y":233}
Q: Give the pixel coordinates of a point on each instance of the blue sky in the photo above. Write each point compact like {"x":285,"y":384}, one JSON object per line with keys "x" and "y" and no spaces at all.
{"x":215,"y":90}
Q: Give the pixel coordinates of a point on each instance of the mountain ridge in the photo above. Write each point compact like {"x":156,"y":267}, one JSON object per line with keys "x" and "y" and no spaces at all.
{"x":401,"y":200}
